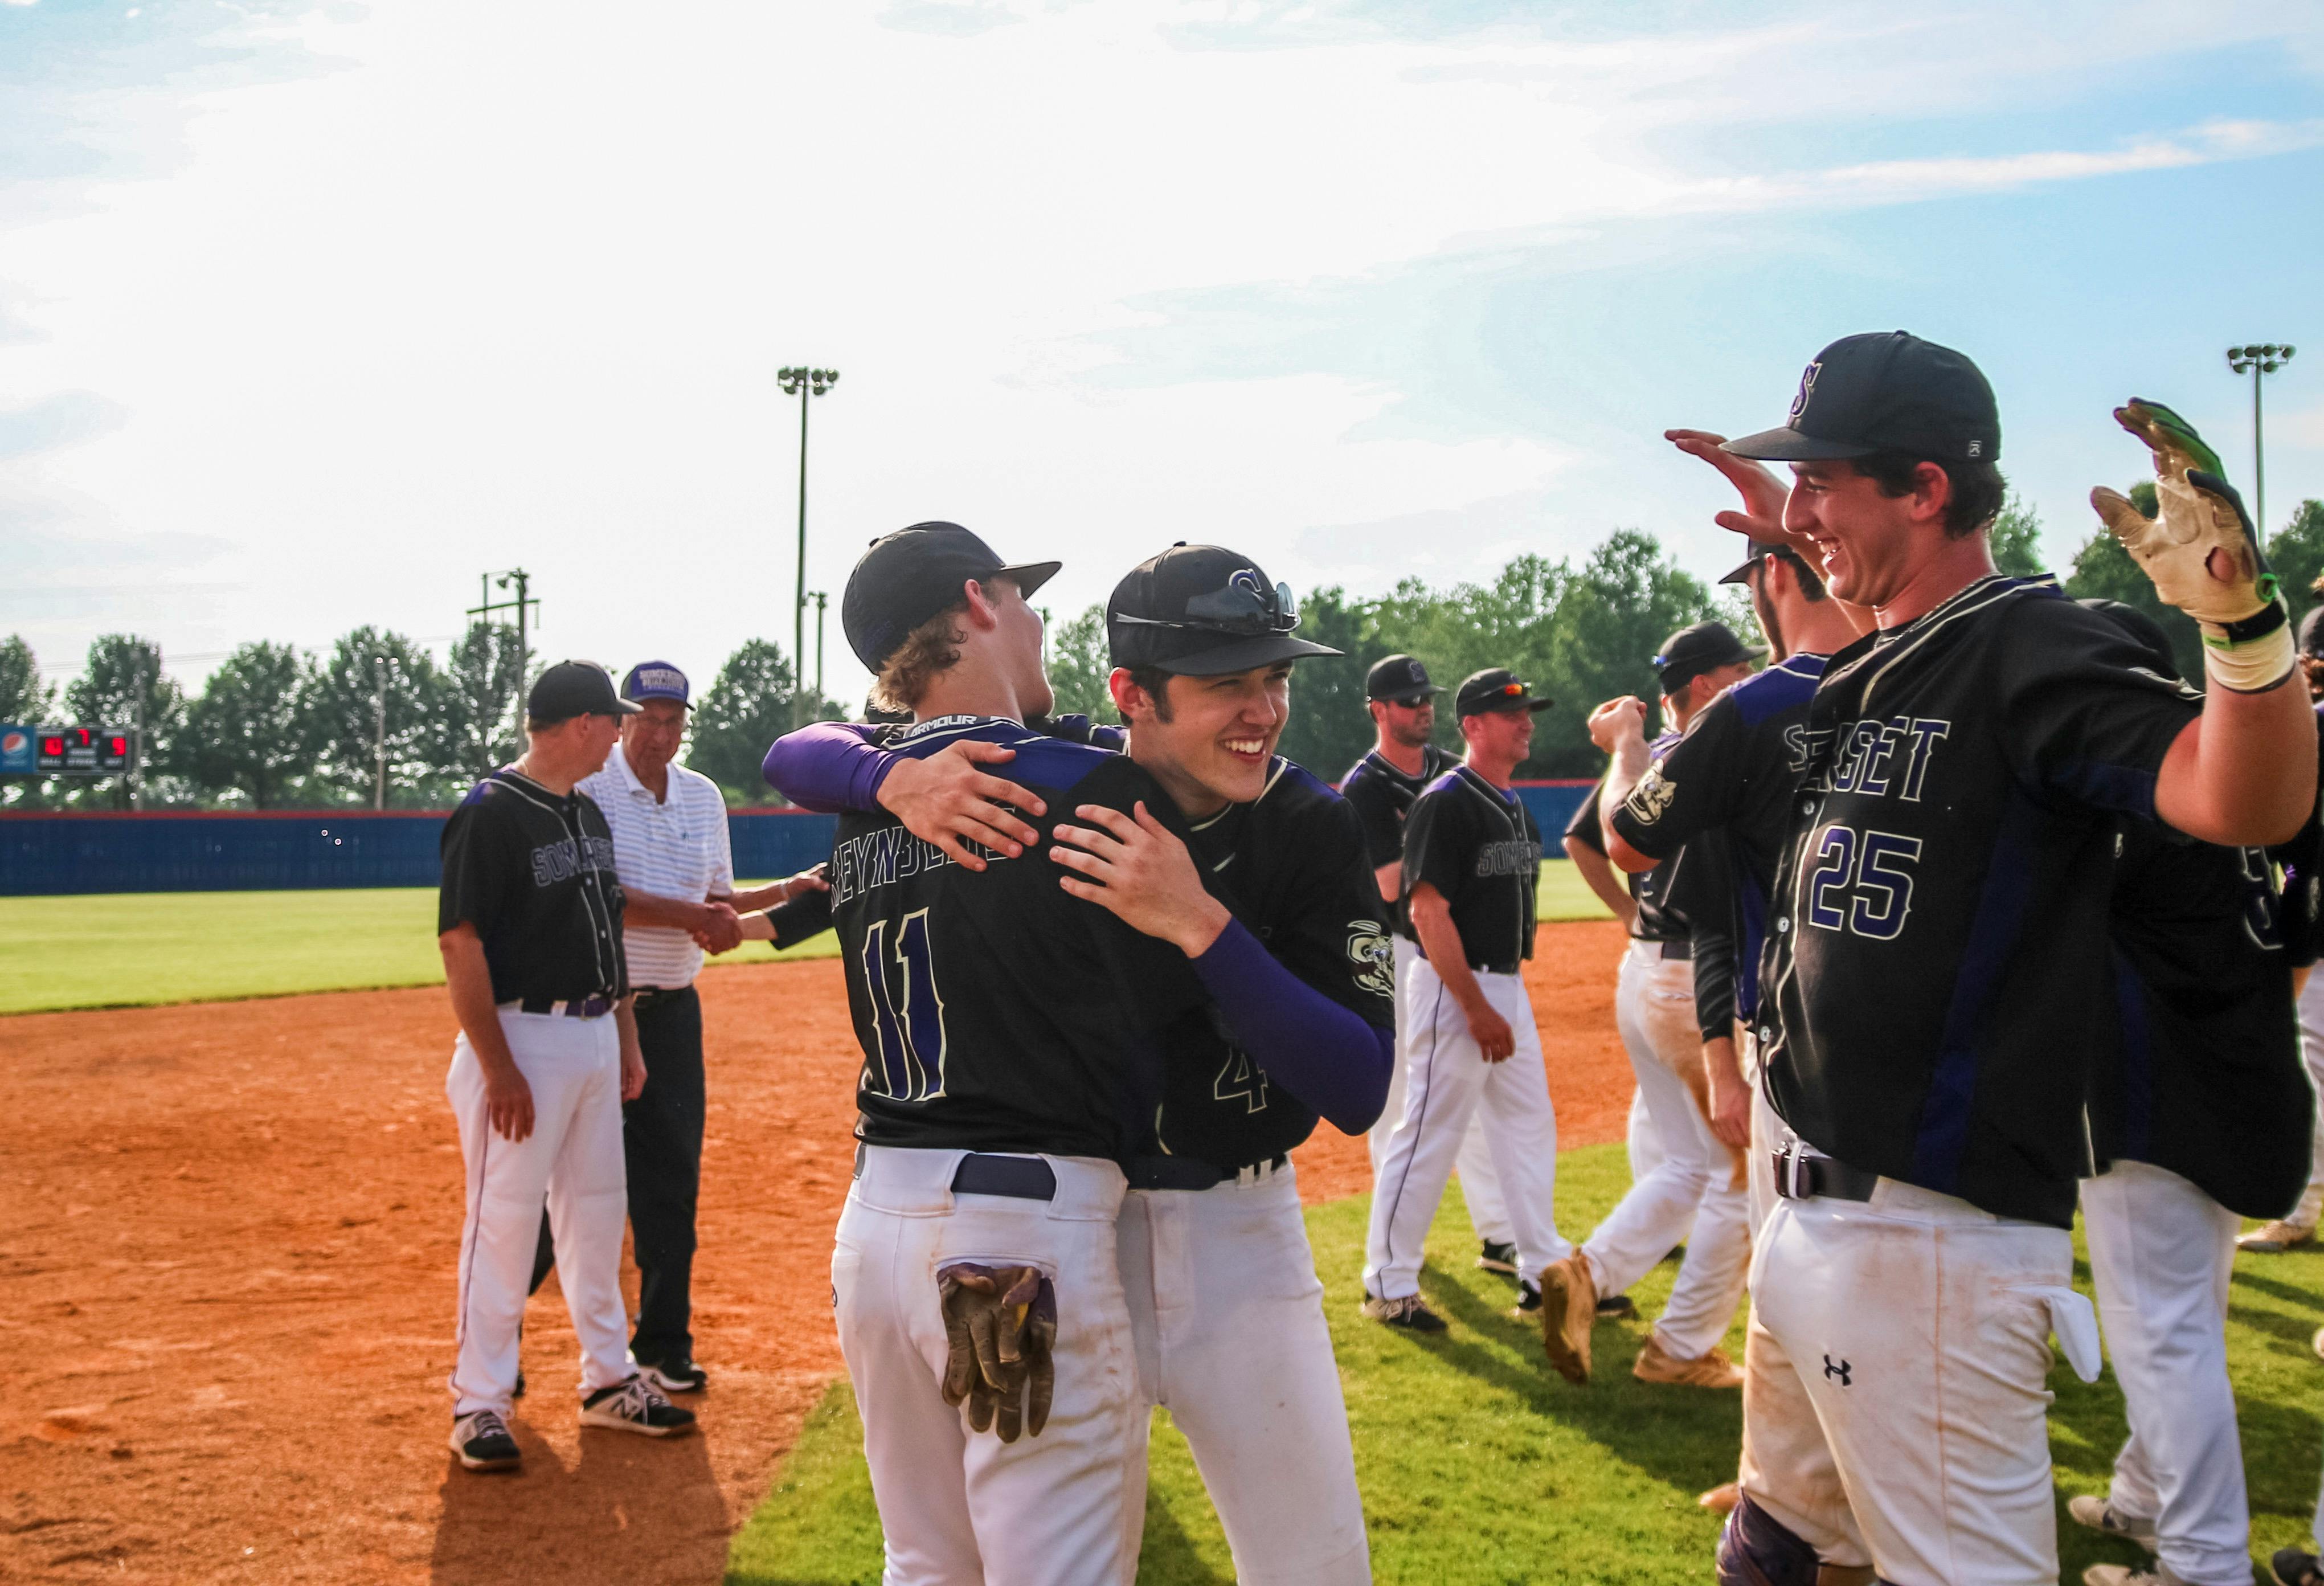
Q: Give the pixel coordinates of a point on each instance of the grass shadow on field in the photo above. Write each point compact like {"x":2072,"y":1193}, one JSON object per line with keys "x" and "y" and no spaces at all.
{"x":1481,"y":1467}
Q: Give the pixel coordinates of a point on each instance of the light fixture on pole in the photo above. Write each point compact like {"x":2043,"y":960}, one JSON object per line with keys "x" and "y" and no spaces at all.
{"x":802,"y":383}
{"x":2259,"y":360}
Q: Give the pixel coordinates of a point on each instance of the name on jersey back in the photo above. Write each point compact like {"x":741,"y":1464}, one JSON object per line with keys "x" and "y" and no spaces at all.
{"x":890,"y":854}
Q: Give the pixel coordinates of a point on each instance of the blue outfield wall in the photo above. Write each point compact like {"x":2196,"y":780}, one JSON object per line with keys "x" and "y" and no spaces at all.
{"x":171,"y":851}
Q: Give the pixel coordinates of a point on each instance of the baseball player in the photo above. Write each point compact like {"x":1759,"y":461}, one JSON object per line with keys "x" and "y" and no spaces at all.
{"x":984,"y":1083}
{"x":1695,"y":1183}
{"x":1472,"y":861}
{"x":2298,"y":1226}
{"x":2199,"y":1111}
{"x":529,"y":919}
{"x":1225,"y":1305}
{"x":1939,"y":951}
{"x":1381,"y":788}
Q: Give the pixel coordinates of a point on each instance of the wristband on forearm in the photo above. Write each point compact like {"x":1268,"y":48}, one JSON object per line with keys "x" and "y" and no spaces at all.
{"x":2251,"y":655}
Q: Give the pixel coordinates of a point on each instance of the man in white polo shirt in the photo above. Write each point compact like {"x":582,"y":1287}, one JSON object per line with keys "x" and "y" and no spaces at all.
{"x":676,"y":870}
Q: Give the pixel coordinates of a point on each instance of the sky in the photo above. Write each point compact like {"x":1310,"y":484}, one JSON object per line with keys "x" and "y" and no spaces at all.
{"x":311,"y":315}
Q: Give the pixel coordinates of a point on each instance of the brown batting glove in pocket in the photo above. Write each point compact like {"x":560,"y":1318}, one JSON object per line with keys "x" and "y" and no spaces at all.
{"x":1001,"y":1333}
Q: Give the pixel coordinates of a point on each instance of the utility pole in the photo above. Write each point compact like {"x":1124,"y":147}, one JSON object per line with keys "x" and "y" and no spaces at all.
{"x":524,"y":605}
{"x":822,"y":599}
{"x":138,"y":732}
{"x":2261,"y":360}
{"x":802,"y":383}
{"x":380,"y":664}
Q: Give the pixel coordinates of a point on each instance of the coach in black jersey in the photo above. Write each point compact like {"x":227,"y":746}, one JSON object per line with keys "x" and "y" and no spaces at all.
{"x":1380,"y":788}
{"x":529,"y":919}
{"x":1939,"y":955}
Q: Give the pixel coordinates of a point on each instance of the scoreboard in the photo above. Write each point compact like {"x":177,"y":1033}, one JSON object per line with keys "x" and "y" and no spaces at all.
{"x":63,"y":751}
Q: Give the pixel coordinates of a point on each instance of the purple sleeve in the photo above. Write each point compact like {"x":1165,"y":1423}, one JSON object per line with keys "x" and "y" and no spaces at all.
{"x":1319,"y":1051}
{"x":829,"y":767}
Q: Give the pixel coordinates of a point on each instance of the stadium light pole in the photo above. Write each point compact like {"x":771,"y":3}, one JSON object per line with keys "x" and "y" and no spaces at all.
{"x":822,"y":599}
{"x":802,"y":383}
{"x":2260,"y":359}
{"x":381,"y":665}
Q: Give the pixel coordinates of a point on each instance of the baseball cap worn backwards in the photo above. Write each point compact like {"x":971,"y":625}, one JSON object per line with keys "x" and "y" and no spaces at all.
{"x":909,"y":575}
{"x":655,"y":679}
{"x":575,"y":689}
{"x":1889,"y":391}
{"x":1400,"y":678}
{"x":1202,"y":611}
{"x":1496,"y":688}
{"x":1704,"y":647}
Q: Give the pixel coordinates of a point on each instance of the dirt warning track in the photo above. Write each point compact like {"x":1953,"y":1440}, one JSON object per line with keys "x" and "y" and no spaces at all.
{"x":227,"y":1288}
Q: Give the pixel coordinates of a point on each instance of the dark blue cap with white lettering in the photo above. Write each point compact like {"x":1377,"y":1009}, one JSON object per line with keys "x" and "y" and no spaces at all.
{"x":655,"y":679}
{"x":1889,"y":391}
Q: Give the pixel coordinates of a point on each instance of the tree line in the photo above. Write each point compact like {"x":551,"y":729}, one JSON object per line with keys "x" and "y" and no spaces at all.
{"x":274,"y":729}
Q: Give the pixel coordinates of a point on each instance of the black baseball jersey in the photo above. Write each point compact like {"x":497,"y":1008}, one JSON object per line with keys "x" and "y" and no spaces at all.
{"x":1737,"y":768}
{"x":1939,"y":957}
{"x":2204,"y":1077}
{"x":1382,"y":797}
{"x":996,"y":1011}
{"x":1291,"y":865}
{"x":1658,"y":918}
{"x":1476,"y":846}
{"x":2303,"y":860}
{"x":533,"y":873}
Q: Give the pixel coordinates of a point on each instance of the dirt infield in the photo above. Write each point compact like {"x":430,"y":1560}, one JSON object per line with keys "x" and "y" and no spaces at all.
{"x":227,"y":1295}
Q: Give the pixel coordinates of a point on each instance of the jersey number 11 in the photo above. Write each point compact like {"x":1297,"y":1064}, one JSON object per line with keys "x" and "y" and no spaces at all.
{"x":910,"y":1017}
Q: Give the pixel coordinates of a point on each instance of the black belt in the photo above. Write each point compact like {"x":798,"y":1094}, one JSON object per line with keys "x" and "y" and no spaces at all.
{"x":1188,"y":1173}
{"x":1682,"y":949}
{"x":1021,"y":1178}
{"x":1496,"y":968}
{"x":597,"y":1005}
{"x":654,"y":996}
{"x":1800,"y":1176}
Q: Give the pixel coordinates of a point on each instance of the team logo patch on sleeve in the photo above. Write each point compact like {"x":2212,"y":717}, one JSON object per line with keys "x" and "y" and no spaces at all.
{"x":1369,"y":950}
{"x":1652,"y":797}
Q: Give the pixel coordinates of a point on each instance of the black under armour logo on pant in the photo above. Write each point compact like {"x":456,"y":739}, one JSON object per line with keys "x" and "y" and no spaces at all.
{"x":1839,"y":1369}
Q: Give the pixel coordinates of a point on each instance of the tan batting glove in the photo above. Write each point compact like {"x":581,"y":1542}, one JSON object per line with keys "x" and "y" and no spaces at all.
{"x":1001,"y":1330}
{"x":2201,"y":552}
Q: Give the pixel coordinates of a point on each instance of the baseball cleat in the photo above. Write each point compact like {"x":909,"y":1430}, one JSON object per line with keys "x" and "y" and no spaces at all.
{"x":678,"y":1375}
{"x":1720,"y":1499}
{"x":1499,"y":1258}
{"x":2294,"y":1567}
{"x":1410,"y":1313}
{"x":1711,"y":1368}
{"x":635,"y":1405}
{"x":1569,"y":1309}
{"x":1618,"y":1307}
{"x":480,"y":1438}
{"x":1528,"y":1303}
{"x":2272,"y":1238}
{"x":2102,"y":1516}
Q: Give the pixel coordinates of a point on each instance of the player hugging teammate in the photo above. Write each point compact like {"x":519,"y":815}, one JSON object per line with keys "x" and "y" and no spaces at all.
{"x":1095,"y":1022}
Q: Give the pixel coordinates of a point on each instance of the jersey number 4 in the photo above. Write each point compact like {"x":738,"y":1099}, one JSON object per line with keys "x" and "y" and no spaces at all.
{"x":1862,"y":881}
{"x":909,"y":1015}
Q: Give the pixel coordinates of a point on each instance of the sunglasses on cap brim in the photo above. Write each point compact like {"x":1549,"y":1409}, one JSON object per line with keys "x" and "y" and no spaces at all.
{"x":1239,"y":608}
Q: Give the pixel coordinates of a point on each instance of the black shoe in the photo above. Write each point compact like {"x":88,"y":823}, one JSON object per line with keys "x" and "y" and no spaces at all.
{"x":1411,"y":1312}
{"x":1528,"y":1299}
{"x":2296,"y":1567}
{"x":480,"y":1438}
{"x":677,"y":1376}
{"x":1499,"y":1258}
{"x":1618,"y":1307}
{"x":635,"y":1405}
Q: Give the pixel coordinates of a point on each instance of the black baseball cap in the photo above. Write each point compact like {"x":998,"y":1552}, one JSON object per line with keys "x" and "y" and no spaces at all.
{"x":2145,"y":631}
{"x":1399,"y":677}
{"x":2311,"y":633}
{"x":1759,"y":549}
{"x":1496,"y":688}
{"x":1885,"y":392}
{"x":1202,"y":611}
{"x":909,"y":575}
{"x":1701,"y":648}
{"x":575,"y":689}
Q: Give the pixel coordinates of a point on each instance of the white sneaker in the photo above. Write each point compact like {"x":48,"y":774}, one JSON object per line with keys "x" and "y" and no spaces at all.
{"x":2100,"y":1515}
{"x":635,"y":1405}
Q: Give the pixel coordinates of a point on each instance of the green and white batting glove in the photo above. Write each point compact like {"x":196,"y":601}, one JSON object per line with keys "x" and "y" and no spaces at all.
{"x":2202,"y":552}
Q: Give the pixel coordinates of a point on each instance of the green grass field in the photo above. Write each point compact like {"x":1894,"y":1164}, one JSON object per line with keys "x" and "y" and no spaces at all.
{"x":123,"y":949}
{"x":1480,"y":1467}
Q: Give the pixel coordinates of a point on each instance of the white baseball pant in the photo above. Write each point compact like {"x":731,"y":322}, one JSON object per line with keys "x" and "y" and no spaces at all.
{"x":959,"y":1507}
{"x":1448,"y":1082}
{"x":1896,"y":1401}
{"x":1640,"y":1142}
{"x":1480,"y":1187}
{"x":2312,"y":1049}
{"x":2160,"y":1251}
{"x":573,"y":1157}
{"x":1697,"y":1183}
{"x":1227,"y":1315}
